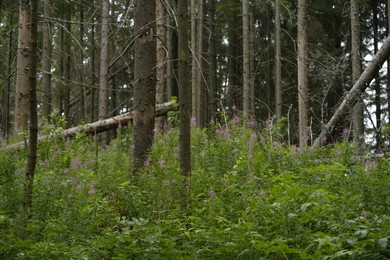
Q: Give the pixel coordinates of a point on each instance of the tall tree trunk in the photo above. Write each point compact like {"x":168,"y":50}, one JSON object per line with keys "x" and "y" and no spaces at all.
{"x":184,"y":104}
{"x":358,"y":123}
{"x":212,"y":82}
{"x":377,"y":86}
{"x":104,"y":64}
{"x":32,"y":5}
{"x":7,"y":87}
{"x":388,"y":61}
{"x":278,"y":65}
{"x":194,"y":61}
{"x":145,"y":82}
{"x":161,"y":57}
{"x":303,"y":88}
{"x":46,"y":60}
{"x":82,"y":108}
{"x":67,"y":66}
{"x":92,"y":110}
{"x":200,"y":95}
{"x":23,"y":62}
{"x":248,"y":114}
{"x":356,"y":91}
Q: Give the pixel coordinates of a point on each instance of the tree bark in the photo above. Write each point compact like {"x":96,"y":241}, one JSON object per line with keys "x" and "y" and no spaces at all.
{"x":46,"y":60}
{"x":100,"y":126}
{"x":23,"y":63}
{"x":104,"y":64}
{"x":184,"y":104}
{"x":145,"y":82}
{"x":7,"y":87}
{"x":357,"y":119}
{"x":278,"y":65}
{"x":33,"y":115}
{"x":303,"y":88}
{"x":248,"y":114}
{"x":356,"y":91}
{"x":161,"y":28}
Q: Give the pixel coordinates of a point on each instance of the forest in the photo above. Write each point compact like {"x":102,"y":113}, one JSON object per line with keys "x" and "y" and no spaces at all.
{"x":194,"y":129}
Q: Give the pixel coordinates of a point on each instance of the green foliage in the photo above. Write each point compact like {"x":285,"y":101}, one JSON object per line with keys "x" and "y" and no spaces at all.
{"x":252,"y":197}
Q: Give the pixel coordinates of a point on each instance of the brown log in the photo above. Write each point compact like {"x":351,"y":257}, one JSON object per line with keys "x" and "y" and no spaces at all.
{"x":356,"y":91}
{"x":101,"y":125}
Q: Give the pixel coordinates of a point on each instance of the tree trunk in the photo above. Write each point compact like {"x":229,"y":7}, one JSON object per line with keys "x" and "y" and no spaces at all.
{"x":184,"y":104}
{"x":356,"y":91}
{"x":23,"y":63}
{"x":248,"y":114}
{"x":33,"y":115}
{"x":145,"y":82}
{"x":357,"y":119}
{"x":104,"y":63}
{"x":278,"y":65}
{"x":7,"y":87}
{"x":212,"y":82}
{"x":194,"y":61}
{"x":303,"y":88}
{"x":46,"y":60}
{"x":377,"y":84}
{"x":99,"y":126}
{"x":161,"y":58}
{"x":67,"y":66}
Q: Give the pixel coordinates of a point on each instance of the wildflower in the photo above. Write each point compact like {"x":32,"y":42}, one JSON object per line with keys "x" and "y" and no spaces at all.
{"x":364,"y":213}
{"x":236,"y":119}
{"x":16,"y":130}
{"x":91,"y":191}
{"x":73,"y":181}
{"x":345,"y":132}
{"x":212,"y":194}
{"x":251,"y":124}
{"x":275,"y":143}
{"x":297,"y":149}
{"x":80,"y":186}
{"x":161,"y":163}
{"x":76,"y":163}
{"x":337,"y":153}
{"x":250,"y":142}
{"x":173,"y":181}
{"x":148,"y":161}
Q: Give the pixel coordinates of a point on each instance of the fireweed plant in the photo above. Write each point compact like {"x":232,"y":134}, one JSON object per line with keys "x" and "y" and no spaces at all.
{"x":252,"y":197}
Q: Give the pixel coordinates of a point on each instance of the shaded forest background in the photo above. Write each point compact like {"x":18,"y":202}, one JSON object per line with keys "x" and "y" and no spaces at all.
{"x":70,"y":54}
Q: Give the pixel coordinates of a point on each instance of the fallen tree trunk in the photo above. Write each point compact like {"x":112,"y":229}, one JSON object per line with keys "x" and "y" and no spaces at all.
{"x":101,"y":125}
{"x":357,"y":90}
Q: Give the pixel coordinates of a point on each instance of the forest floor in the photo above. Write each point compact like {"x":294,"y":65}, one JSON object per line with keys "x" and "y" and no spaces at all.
{"x":252,"y":197}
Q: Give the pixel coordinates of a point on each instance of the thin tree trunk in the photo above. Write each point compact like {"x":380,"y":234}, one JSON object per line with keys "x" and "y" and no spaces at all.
{"x":67,"y":66}
{"x":357,"y":120}
{"x":199,"y":63}
{"x":184,"y":104}
{"x":46,"y":60}
{"x":303,"y":88}
{"x":213,"y":63}
{"x":104,"y":63}
{"x":246,"y":63}
{"x":33,"y":115}
{"x":278,"y":65}
{"x":161,"y":58}
{"x":194,"y":62}
{"x":388,"y":60}
{"x":23,"y":63}
{"x":7,"y":88}
{"x":82,"y":108}
{"x":356,"y":91}
{"x":145,"y":82}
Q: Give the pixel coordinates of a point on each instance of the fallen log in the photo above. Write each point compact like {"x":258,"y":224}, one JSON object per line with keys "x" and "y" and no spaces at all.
{"x":99,"y":126}
{"x":356,"y":91}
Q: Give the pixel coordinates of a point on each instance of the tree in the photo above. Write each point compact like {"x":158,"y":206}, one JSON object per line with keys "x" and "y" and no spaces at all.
{"x":145,"y":81}
{"x":161,"y":57}
{"x":30,"y":8}
{"x":23,"y":62}
{"x":278,"y":65}
{"x":184,"y":103}
{"x":358,"y":123}
{"x":303,"y":88}
{"x":46,"y":60}
{"x":247,"y":97}
{"x":359,"y":87}
{"x":104,"y":64}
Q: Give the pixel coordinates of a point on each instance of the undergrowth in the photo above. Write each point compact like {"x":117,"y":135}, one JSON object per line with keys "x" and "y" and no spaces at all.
{"x":252,"y":197}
